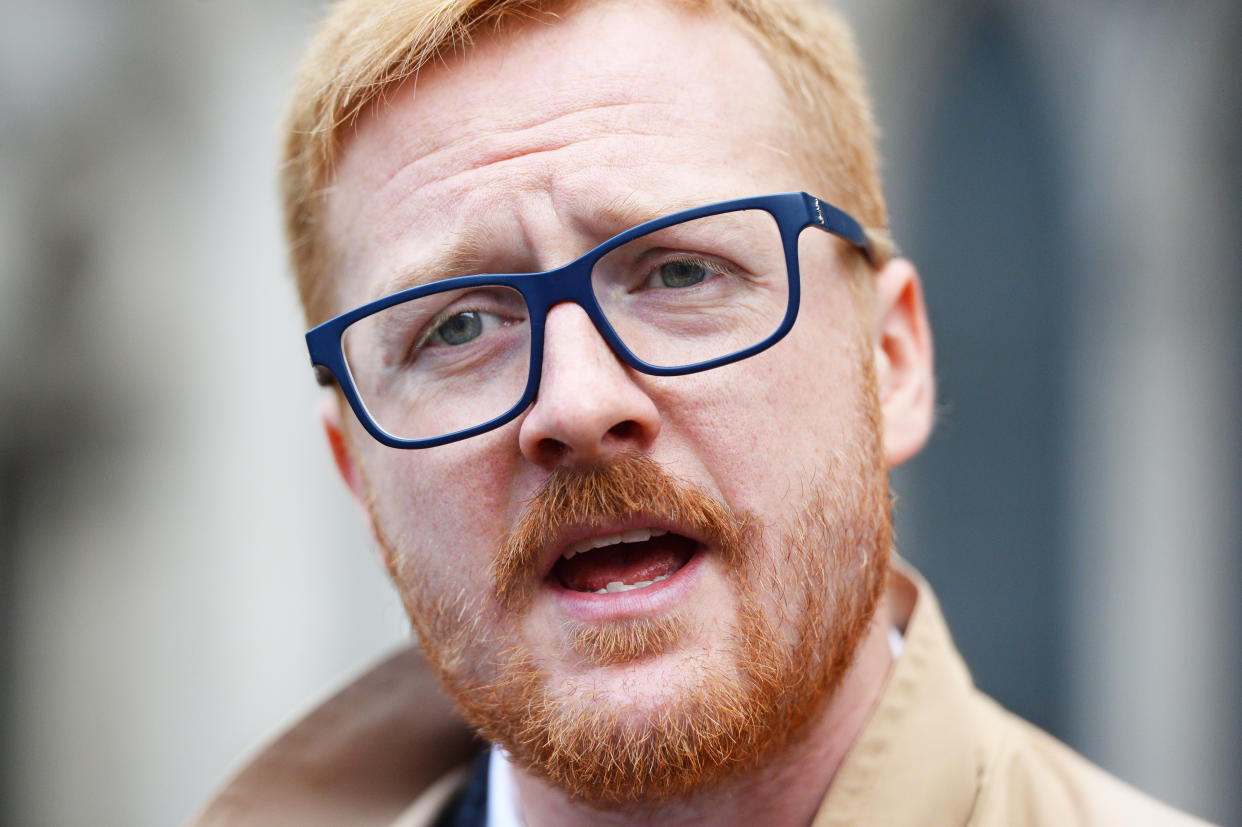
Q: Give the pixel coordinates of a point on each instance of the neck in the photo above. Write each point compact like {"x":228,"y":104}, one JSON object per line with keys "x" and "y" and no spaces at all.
{"x":787,"y":790}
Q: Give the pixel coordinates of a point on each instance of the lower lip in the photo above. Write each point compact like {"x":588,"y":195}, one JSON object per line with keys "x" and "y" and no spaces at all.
{"x":658,"y":598}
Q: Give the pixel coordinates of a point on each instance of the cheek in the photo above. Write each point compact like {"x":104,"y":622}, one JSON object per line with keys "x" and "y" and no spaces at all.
{"x":443,"y":509}
{"x":762,"y":428}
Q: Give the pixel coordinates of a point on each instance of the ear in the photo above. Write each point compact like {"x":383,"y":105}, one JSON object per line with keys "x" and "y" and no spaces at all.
{"x":346,"y":465}
{"x":903,"y":358}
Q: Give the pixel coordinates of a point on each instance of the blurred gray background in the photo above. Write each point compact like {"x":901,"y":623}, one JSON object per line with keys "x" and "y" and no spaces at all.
{"x":180,"y":570}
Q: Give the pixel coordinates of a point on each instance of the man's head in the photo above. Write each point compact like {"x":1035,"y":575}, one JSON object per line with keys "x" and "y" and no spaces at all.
{"x":751,"y":498}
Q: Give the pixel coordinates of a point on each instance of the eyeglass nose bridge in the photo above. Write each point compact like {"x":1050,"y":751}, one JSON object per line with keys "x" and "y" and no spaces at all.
{"x":570,"y":283}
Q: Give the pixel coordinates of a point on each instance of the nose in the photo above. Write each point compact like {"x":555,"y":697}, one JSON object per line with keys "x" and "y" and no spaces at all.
{"x":589,"y":408}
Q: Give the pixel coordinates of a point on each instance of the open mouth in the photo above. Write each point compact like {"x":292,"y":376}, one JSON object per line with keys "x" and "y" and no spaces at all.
{"x":625,"y":561}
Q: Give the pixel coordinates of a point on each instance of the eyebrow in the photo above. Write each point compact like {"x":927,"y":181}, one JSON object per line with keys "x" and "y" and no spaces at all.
{"x":463,"y":253}
{"x":458,"y":255}
{"x":626,"y":211}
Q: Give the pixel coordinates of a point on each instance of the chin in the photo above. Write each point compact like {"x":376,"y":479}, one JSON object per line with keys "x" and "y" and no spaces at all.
{"x":639,"y":690}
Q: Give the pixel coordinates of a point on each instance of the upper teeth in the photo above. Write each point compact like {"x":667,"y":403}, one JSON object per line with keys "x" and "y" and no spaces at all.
{"x":634,"y":535}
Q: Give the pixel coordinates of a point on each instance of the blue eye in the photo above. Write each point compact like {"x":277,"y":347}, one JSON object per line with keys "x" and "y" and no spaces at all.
{"x":683,"y":273}
{"x":458,"y":329}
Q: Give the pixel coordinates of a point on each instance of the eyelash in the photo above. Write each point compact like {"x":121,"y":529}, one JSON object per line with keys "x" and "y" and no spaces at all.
{"x":710,"y":265}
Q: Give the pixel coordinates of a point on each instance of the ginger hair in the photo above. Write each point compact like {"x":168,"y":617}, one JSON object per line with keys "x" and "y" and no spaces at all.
{"x":365,"y":48}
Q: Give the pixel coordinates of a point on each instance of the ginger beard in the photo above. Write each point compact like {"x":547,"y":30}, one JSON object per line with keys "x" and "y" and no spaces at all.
{"x":806,"y":600}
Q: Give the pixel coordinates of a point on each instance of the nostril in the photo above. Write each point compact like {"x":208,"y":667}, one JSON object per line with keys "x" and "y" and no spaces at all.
{"x":551,"y":451}
{"x":626,"y":430}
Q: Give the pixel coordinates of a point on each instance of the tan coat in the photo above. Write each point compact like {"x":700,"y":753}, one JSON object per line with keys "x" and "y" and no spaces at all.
{"x":388,"y":750}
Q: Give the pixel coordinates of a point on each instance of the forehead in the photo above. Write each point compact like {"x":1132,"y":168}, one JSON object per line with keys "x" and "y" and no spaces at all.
{"x":644,"y":107}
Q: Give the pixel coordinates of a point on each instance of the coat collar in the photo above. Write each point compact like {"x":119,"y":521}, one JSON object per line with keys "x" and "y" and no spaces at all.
{"x":919,"y":758}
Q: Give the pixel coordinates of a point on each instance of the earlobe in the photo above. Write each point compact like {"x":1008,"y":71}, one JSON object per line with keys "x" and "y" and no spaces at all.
{"x":903,"y":361}
{"x":346,"y":466}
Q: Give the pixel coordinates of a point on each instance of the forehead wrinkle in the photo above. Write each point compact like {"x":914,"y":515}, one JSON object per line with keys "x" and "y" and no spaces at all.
{"x":494,"y":143}
{"x":491,"y":132}
{"x":543,"y":174}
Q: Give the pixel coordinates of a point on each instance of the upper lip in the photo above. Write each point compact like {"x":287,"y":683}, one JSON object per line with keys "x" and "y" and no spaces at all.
{"x":570,"y":536}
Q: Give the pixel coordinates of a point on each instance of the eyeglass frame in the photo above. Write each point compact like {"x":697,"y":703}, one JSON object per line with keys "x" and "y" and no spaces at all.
{"x":792,"y":211}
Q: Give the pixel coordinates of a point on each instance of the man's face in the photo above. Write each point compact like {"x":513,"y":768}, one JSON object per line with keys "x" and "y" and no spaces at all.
{"x":536,"y":146}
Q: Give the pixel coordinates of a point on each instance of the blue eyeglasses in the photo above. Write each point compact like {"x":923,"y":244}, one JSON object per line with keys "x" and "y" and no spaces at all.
{"x":684,"y":293}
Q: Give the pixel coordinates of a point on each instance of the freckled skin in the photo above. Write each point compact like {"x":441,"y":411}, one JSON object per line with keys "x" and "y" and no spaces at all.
{"x":524,"y":139}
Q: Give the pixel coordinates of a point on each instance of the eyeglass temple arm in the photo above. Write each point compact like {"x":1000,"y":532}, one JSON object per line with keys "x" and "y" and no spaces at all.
{"x":842,"y":224}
